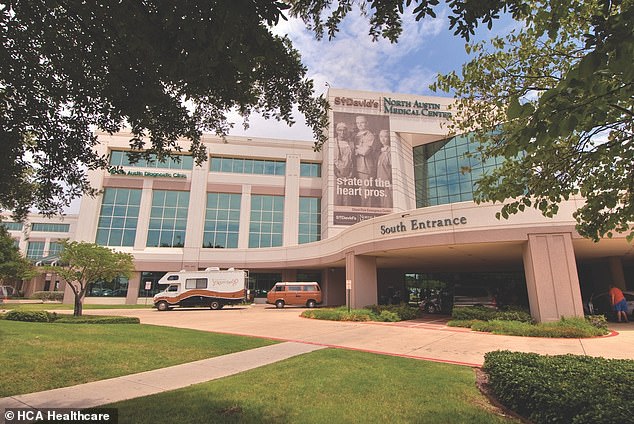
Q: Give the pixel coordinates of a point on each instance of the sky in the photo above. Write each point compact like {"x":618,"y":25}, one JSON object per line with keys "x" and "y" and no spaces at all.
{"x":353,"y":61}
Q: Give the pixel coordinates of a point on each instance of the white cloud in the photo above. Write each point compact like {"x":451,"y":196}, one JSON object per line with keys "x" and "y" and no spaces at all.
{"x":352,"y":60}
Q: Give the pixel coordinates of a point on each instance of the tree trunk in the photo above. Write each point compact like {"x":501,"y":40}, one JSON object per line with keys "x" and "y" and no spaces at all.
{"x":78,"y":306}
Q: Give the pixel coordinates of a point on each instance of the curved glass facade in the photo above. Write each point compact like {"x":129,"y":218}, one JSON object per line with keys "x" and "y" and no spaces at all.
{"x":446,"y":171}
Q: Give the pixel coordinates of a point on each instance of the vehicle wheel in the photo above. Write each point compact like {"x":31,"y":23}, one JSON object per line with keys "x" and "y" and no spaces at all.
{"x":279,"y":304}
{"x":215,"y":305}
{"x":311,"y":304}
{"x":431,"y":309}
{"x":163,"y":306}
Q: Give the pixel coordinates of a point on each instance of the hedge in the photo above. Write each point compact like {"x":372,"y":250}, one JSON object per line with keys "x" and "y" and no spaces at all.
{"x":44,"y":316}
{"x":30,"y":316}
{"x":403,"y":311}
{"x":96,"y":319}
{"x":470,"y":313}
{"x":562,"y":389}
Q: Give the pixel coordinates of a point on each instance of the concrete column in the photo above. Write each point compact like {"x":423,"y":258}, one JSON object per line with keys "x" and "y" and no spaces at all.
{"x":333,"y":286}
{"x":245,"y":217}
{"x":133,"y":289}
{"x":551,"y":277}
{"x":289,"y":275}
{"x":196,"y":212}
{"x":291,"y":201}
{"x":145,"y":208}
{"x":616,"y":272}
{"x":362,"y":271}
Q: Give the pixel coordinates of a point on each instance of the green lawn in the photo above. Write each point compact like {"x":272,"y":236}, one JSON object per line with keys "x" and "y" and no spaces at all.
{"x":327,"y":386}
{"x":42,"y":356}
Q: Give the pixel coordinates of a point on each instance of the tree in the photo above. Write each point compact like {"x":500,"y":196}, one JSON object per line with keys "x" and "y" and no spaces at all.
{"x":85,"y":263}
{"x":13,"y":266}
{"x":554,"y":98}
{"x":165,"y":69}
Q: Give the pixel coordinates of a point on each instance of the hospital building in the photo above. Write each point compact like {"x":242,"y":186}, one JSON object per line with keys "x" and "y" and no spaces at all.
{"x":383,"y":213}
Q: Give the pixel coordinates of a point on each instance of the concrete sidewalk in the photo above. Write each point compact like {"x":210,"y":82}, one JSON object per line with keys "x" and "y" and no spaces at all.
{"x":151,"y":382}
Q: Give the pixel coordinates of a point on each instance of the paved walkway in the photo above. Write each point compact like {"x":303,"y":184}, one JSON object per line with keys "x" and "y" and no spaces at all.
{"x":428,"y":339}
{"x":151,"y":382}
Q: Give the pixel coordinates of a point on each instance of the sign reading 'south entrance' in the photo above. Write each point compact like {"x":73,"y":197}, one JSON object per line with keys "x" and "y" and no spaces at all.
{"x":423,"y":224}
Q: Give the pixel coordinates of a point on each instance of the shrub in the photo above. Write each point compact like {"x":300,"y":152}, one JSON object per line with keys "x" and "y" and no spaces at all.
{"x":403,"y":311}
{"x":47,"y":296}
{"x":30,"y":316}
{"x":473,"y":313}
{"x":563,"y":388}
{"x":96,"y":319}
{"x":598,"y":321}
{"x":481,"y":313}
{"x":340,"y":314}
{"x":388,"y":316}
{"x":566,"y":328}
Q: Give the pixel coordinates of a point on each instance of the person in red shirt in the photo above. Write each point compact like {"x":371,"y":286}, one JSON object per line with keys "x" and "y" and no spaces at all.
{"x":618,"y":303}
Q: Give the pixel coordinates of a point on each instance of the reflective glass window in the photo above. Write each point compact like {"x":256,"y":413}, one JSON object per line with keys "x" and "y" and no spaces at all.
{"x":266,"y":212}
{"x":118,"y":217}
{"x":222,"y":220}
{"x":166,"y":229}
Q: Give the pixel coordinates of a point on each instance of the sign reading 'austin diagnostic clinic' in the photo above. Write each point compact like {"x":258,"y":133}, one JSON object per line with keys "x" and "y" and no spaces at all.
{"x":363,"y":167}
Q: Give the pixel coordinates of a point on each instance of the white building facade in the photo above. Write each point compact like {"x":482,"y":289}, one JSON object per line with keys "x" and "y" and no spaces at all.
{"x":383,"y":206}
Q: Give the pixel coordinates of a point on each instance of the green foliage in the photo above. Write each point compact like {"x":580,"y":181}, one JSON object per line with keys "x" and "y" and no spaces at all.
{"x":388,"y":316}
{"x":553,"y":98}
{"x":385,"y":15}
{"x":599,"y":321}
{"x":96,"y":319}
{"x":165,"y":69}
{"x":84,"y":263}
{"x":30,"y":316}
{"x":340,"y":314}
{"x":562,"y":389}
{"x":48,"y":296}
{"x":385,"y":313}
{"x":473,"y":313}
{"x":403,"y":311}
{"x":565,"y":328}
{"x":13,"y":266}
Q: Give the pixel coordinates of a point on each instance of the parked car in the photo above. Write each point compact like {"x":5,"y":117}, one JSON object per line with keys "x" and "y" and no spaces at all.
{"x":600,"y":303}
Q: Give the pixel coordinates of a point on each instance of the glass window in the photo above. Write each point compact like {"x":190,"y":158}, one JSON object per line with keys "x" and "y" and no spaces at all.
{"x":165,"y":229}
{"x":50,"y":227}
{"x":114,"y":288}
{"x":178,"y":161}
{"x":222,"y":220}
{"x":119,"y":209}
{"x":266,"y":210}
{"x":248,"y":166}
{"x":309,"y":219}
{"x":12,"y":226}
{"x":307,"y":169}
{"x":438,"y":171}
{"x":261,"y":283}
{"x":152,"y":278}
{"x":196,"y":283}
{"x":35,"y":250}
{"x":54,"y":248}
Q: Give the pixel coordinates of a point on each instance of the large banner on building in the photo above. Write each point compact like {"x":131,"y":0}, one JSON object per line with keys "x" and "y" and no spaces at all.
{"x":363,"y":167}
